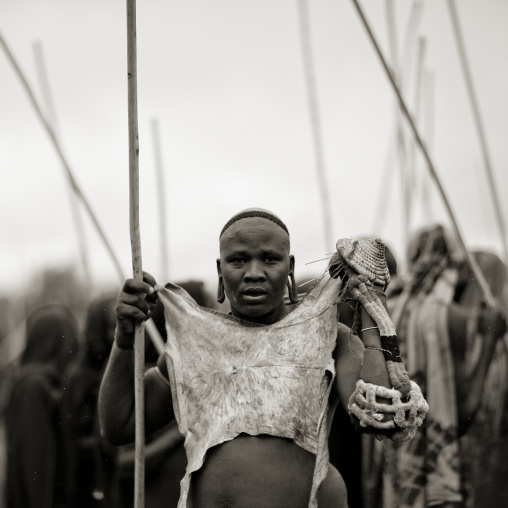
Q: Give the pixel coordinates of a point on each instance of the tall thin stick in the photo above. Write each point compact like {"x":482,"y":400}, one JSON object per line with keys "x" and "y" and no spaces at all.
{"x":479,"y":124}
{"x":404,"y":168}
{"x":52,"y":118}
{"x":61,"y":156}
{"x":472,"y":263}
{"x":409,"y":38}
{"x":159,"y":173}
{"x":429,"y":141}
{"x":418,"y":84}
{"x":139,"y":344}
{"x":315,"y":121}
{"x":385,"y":187}
{"x":152,"y":330}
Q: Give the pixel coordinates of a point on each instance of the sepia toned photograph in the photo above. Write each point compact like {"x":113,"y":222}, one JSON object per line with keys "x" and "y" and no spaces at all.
{"x":254,"y":254}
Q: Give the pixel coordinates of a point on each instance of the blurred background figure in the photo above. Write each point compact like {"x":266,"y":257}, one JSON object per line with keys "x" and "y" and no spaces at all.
{"x":165,"y":457}
{"x":35,"y":472}
{"x":484,"y":373}
{"x":448,"y":337}
{"x":89,"y":463}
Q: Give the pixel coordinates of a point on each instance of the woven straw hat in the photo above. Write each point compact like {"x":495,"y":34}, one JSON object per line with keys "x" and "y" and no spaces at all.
{"x":366,"y":257}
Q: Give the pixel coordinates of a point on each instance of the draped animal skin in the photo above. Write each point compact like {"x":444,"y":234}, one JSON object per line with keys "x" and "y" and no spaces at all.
{"x":230,"y":376}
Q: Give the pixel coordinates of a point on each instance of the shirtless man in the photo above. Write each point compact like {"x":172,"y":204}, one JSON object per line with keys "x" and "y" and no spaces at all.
{"x":249,"y":470}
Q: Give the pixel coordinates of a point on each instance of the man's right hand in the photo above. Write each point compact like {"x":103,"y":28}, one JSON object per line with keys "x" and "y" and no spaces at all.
{"x":134,"y":304}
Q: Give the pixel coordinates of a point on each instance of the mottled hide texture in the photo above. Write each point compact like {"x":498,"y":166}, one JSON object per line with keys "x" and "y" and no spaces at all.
{"x":230,"y":377}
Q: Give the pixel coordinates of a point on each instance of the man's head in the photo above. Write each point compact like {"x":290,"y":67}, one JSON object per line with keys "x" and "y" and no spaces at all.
{"x":254,"y":265}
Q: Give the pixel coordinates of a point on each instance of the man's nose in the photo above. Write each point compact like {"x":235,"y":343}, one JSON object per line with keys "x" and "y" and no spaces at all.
{"x":254,"y":272}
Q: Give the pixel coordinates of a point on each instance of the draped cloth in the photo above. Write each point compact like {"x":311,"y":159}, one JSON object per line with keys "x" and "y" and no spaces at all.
{"x":426,"y":470}
{"x":230,"y":377}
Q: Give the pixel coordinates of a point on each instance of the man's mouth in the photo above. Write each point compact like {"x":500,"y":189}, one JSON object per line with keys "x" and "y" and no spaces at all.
{"x":254,"y":295}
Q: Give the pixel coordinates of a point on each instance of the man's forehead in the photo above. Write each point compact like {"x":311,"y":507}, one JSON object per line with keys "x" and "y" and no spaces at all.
{"x":254,"y":227}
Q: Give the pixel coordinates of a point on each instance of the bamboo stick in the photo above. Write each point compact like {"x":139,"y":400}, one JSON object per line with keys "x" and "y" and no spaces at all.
{"x":429,"y":141}
{"x":399,"y":127}
{"x":139,"y":343}
{"x":430,"y":165}
{"x":317,"y":137}
{"x":417,"y":100}
{"x":52,"y":119}
{"x":159,"y":173}
{"x":479,"y":125}
{"x":61,"y":156}
{"x":152,"y":329}
{"x":409,"y":37}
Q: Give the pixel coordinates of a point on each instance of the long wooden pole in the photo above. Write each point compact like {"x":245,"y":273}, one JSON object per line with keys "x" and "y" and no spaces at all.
{"x":159,"y":173}
{"x":317,"y":137}
{"x":415,"y":17}
{"x":479,"y":125}
{"x":52,"y":118}
{"x":399,"y":126}
{"x":429,"y":141}
{"x":430,"y":165}
{"x":139,"y":344}
{"x":151,"y":328}
{"x":417,"y":100}
{"x":61,"y":156}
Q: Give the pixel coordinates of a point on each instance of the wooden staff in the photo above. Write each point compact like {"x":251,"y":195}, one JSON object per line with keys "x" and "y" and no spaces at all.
{"x":139,"y":343}
{"x":51,"y":115}
{"x":315,"y":121}
{"x":62,"y":157}
{"x":399,"y":126}
{"x":479,"y":125}
{"x":159,"y":173}
{"x":430,"y":165}
{"x":151,"y":328}
{"x":415,"y":17}
{"x":412,"y":162}
{"x":429,"y":140}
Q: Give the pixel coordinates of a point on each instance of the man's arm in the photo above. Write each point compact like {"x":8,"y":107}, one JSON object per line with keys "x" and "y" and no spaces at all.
{"x":116,"y":395}
{"x":362,"y":359}
{"x":348,"y":363}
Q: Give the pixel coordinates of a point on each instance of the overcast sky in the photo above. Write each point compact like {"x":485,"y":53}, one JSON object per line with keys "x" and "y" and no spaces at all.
{"x":225,"y":81}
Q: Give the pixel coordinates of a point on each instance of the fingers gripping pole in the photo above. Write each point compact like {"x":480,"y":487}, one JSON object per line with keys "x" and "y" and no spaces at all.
{"x":139,"y":344}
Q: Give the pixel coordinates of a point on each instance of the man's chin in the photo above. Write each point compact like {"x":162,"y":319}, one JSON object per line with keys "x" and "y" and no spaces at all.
{"x":252,"y":310}
{"x":258,"y":313}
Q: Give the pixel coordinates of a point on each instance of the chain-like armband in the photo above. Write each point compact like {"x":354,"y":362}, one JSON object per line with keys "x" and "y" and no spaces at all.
{"x":408,"y":414}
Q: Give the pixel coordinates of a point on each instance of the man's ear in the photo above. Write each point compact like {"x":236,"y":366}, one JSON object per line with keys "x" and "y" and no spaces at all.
{"x":221,"y":294}
{"x":291,"y":264}
{"x":292,"y":289}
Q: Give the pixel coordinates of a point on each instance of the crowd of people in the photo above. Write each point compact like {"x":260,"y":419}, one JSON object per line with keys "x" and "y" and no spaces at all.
{"x":258,"y":404}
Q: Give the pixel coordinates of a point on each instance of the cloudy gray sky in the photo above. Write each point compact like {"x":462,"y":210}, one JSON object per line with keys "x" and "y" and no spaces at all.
{"x":225,"y":81}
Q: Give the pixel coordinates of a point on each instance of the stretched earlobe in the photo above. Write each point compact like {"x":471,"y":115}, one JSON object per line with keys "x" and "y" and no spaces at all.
{"x":292,"y":289}
{"x":221,"y":294}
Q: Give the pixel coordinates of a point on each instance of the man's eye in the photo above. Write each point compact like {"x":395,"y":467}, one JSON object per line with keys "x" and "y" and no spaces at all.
{"x":271,"y":259}
{"x":237,"y":260}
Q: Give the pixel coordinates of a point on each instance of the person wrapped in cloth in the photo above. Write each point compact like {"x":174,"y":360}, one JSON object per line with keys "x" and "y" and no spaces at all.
{"x":254,"y":391}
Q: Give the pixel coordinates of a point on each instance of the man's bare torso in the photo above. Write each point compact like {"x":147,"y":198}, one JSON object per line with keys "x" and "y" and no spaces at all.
{"x":262,"y":471}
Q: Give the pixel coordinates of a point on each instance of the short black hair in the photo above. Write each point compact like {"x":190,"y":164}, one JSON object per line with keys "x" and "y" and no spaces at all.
{"x":254,"y":212}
